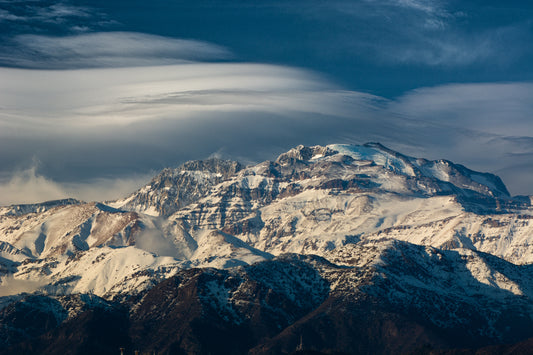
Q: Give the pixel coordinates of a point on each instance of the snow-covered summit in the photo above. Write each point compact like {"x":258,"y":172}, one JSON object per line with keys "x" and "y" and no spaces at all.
{"x":364,"y":166}
{"x":218,"y":213}
{"x":442,"y":170}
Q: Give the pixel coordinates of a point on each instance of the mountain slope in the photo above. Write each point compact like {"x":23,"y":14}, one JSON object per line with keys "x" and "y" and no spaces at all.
{"x":368,"y":298}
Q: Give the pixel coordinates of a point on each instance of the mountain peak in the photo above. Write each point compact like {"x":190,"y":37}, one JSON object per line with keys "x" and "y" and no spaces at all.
{"x":225,"y":168}
{"x":305,"y":153}
{"x":457,"y":177}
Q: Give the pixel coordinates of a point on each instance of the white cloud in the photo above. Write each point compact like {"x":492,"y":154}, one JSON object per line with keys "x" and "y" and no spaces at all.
{"x":28,"y":187}
{"x":502,"y":109}
{"x":105,"y":49}
{"x":67,"y":101}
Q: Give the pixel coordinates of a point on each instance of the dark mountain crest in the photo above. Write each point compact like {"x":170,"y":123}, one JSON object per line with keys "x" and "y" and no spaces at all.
{"x":384,"y":298}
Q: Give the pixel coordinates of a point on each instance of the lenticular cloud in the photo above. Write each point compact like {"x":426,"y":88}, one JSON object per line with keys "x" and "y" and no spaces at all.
{"x":127,"y":103}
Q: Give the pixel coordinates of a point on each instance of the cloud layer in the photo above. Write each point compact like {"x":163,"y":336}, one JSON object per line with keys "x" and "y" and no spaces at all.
{"x":101,"y":129}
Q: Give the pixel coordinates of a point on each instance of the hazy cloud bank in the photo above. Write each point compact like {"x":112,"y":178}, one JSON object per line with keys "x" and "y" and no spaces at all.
{"x":11,"y":286}
{"x":121,"y":121}
{"x":28,"y":186}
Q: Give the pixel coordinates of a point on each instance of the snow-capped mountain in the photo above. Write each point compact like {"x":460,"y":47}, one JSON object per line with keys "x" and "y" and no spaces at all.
{"x":312,"y":199}
{"x":431,"y":244}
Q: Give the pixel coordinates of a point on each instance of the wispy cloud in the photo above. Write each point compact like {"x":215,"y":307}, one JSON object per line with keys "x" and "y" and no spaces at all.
{"x":452,"y":48}
{"x":6,"y":15}
{"x":153,"y":241}
{"x":59,"y":11}
{"x":411,"y":32}
{"x":11,"y":286}
{"x":27,"y":187}
{"x":426,"y":6}
{"x":41,"y":11}
{"x":104,"y":49}
{"x":53,"y":16}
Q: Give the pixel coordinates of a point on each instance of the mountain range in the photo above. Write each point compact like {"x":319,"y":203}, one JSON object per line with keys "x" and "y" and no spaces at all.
{"x":353,"y":249}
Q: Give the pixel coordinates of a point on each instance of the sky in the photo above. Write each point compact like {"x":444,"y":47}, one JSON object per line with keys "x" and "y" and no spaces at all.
{"x":97,"y":96}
